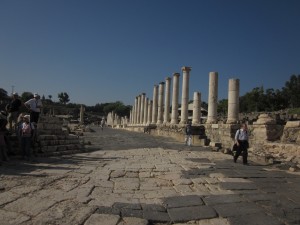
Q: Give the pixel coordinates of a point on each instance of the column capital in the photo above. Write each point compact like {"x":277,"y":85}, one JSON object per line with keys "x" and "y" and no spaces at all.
{"x":186,"y":68}
{"x":143,"y":94}
{"x":162,"y":82}
{"x":176,"y":74}
{"x":168,"y":78}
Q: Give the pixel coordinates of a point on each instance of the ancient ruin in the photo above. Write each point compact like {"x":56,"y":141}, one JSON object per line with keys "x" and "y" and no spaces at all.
{"x":267,"y":139}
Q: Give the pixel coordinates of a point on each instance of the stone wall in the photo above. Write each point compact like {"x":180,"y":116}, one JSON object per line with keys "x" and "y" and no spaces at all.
{"x":53,"y":140}
{"x":266,"y":138}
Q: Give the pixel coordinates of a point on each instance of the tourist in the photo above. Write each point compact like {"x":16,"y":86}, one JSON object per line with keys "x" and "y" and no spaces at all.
{"x":241,"y":140}
{"x":34,"y":105}
{"x":102,"y":123}
{"x":26,"y":134}
{"x":188,"y":134}
{"x":3,"y":130}
{"x":13,"y":111}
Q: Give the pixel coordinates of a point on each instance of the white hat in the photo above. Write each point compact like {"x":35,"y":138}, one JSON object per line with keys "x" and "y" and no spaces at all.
{"x":35,"y":95}
{"x":15,"y":93}
{"x":27,"y":117}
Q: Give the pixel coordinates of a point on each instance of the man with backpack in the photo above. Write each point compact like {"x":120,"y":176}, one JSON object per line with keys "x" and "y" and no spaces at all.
{"x":241,"y":140}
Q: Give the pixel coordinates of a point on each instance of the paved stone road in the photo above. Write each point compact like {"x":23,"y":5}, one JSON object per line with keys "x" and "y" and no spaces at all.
{"x":137,"y":179}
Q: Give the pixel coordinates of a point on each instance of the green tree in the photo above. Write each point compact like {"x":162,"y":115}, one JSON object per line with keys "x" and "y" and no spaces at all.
{"x":222,"y":107}
{"x":3,"y":94}
{"x":291,"y":91}
{"x":63,"y":97}
{"x":26,"y":96}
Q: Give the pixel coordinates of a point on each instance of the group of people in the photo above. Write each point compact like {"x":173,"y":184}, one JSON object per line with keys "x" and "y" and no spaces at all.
{"x":241,"y":143}
{"x":20,"y":124}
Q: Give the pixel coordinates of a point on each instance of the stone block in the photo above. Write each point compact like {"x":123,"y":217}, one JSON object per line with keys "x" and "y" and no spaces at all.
{"x":104,"y":219}
{"x":183,"y":201}
{"x":191,"y":213}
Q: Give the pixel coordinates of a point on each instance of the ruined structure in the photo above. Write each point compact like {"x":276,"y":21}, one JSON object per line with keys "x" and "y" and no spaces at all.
{"x":266,"y":137}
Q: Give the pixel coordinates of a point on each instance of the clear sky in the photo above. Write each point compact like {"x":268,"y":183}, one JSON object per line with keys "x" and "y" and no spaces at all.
{"x":108,"y":50}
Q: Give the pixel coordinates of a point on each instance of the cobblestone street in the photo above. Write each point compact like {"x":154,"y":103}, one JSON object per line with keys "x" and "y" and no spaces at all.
{"x":135,"y":179}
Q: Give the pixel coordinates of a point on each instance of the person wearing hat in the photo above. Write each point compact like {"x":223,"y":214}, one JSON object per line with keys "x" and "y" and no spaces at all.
{"x":13,"y":111}
{"x":34,"y":105}
{"x":26,"y":134}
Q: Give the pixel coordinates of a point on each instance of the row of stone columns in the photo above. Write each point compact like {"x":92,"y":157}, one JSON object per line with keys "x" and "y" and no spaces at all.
{"x":145,"y":111}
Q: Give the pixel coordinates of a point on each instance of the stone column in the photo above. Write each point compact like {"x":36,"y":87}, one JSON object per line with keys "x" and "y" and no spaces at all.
{"x":142,"y":108}
{"x":138,"y":110}
{"x":145,"y":111}
{"x":149,"y":111}
{"x":185,"y":94}
{"x":160,"y":102}
{"x":81,"y":118}
{"x":155,"y":104}
{"x":196,"y":108}
{"x":175,"y":97}
{"x":135,"y":110}
{"x":130,"y":116}
{"x":167,"y":101}
{"x":212,"y":98}
{"x":233,"y":101}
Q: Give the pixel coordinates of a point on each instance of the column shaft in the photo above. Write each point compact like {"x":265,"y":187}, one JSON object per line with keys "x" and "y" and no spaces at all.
{"x":160,"y":102}
{"x":155,"y":104}
{"x":196,"y":108}
{"x":149,"y":111}
{"x":233,"y":100}
{"x":145,"y":111}
{"x":212,"y":98}
{"x":175,"y":97}
{"x":142,"y":108}
{"x":167,"y":100}
{"x":185,"y":94}
{"x":138,"y":110}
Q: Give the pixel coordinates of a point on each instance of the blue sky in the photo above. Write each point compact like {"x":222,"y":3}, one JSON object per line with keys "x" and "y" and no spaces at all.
{"x":108,"y":50}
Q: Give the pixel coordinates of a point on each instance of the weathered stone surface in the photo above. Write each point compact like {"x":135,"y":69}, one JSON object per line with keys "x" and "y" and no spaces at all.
{"x":182,"y":201}
{"x":133,"y":221}
{"x":102,"y":219}
{"x":222,"y":199}
{"x":257,"y":218}
{"x":156,"y":216}
{"x":191,"y":213}
{"x":239,"y":208}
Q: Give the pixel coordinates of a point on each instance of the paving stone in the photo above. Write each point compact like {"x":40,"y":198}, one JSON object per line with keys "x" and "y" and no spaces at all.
{"x":131,"y":213}
{"x":108,"y":210}
{"x":120,"y":205}
{"x":239,"y":208}
{"x":153,"y":207}
{"x":191,"y":213}
{"x":222,"y":199}
{"x":156,"y":216}
{"x":133,"y":221}
{"x":103,"y":219}
{"x":237,"y":186}
{"x":182,"y":201}
{"x":257,"y":219}
{"x":214,"y":221}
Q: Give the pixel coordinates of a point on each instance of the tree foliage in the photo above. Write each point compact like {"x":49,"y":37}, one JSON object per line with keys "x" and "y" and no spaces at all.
{"x":63,"y":97}
{"x":291,"y":91}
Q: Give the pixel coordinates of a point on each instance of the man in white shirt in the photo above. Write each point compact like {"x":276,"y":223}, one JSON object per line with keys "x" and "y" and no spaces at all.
{"x":34,"y":105}
{"x":241,"y":140}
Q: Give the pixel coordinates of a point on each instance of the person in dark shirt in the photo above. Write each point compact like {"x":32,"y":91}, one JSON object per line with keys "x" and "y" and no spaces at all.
{"x":13,"y":112}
